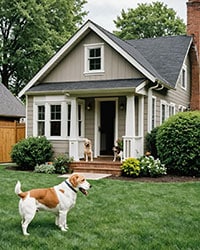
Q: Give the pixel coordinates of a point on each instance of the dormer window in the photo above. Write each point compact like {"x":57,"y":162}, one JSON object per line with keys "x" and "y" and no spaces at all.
{"x":94,"y":58}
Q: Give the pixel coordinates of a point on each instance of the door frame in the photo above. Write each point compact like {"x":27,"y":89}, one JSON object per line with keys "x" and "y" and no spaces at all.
{"x":97,"y":122}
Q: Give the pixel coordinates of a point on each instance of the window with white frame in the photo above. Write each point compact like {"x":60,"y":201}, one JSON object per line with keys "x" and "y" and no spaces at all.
{"x":164,"y":114}
{"x":184,"y":77}
{"x":55,"y":120}
{"x":171,"y":109}
{"x":41,"y":120}
{"x":94,"y":58}
{"x":166,"y":110}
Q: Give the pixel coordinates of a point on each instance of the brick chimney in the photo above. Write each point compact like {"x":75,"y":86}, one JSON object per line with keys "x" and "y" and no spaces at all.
{"x":193,"y":28}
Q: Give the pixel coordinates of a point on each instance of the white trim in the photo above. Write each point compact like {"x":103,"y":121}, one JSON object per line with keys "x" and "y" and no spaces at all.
{"x":74,"y":39}
{"x":87,"y":48}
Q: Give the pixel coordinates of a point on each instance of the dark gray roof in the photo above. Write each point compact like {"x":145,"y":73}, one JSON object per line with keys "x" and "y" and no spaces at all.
{"x":88,"y":85}
{"x":165,"y":54}
{"x":163,"y":57}
{"x":10,"y":106}
{"x":134,"y":53}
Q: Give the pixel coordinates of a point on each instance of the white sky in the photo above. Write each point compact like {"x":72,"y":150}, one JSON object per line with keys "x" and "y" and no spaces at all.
{"x":103,"y":12}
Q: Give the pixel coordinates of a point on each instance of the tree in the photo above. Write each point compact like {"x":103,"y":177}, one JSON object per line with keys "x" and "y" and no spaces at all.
{"x":149,"y":20}
{"x":31,"y":32}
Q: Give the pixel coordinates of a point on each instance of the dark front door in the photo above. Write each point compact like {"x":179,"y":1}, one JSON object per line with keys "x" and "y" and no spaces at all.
{"x":107,"y":127}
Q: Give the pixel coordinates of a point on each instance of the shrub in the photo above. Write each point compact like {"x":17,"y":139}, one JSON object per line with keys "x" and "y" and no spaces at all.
{"x":151,"y":142}
{"x":151,"y":167}
{"x":131,"y":167}
{"x":61,"y":163}
{"x":178,"y":143}
{"x":45,"y":168}
{"x":32,"y":151}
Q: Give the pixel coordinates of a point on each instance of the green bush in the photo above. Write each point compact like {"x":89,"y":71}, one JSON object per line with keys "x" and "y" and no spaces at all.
{"x":131,"y":167}
{"x":45,"y":168}
{"x":151,"y":167}
{"x":32,"y":151}
{"x":178,"y":143}
{"x":151,"y":142}
{"x":61,"y":163}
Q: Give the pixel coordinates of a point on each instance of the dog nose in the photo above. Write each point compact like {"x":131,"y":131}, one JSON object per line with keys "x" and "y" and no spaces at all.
{"x":90,"y":186}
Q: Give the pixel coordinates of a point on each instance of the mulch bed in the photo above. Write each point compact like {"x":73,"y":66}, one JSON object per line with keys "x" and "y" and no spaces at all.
{"x":166,"y":178}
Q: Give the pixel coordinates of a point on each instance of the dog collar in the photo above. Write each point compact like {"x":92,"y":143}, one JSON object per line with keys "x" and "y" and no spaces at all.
{"x":70,"y":187}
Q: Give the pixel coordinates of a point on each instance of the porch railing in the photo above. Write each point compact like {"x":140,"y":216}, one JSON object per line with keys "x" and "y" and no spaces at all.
{"x":132,"y":146}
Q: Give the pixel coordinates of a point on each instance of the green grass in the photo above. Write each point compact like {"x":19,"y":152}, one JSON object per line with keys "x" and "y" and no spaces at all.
{"x":116,"y":215}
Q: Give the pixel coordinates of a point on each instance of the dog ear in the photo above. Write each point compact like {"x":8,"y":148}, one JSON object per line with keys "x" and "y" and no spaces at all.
{"x":74,"y":180}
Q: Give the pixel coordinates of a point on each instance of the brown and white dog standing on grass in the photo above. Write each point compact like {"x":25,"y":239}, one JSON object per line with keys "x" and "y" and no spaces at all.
{"x":88,"y":153}
{"x":58,"y":199}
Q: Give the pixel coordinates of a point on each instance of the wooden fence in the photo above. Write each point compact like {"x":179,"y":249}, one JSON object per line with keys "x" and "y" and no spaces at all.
{"x":10,"y":134}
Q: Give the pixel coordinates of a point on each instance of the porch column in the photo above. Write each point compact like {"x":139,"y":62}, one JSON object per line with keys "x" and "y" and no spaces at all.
{"x":128,"y":139}
{"x":73,"y":141}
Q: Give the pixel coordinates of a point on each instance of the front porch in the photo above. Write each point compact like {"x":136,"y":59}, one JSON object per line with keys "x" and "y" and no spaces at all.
{"x":103,"y":165}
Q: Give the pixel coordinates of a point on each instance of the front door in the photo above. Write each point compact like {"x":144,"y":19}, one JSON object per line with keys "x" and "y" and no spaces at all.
{"x":107,"y":127}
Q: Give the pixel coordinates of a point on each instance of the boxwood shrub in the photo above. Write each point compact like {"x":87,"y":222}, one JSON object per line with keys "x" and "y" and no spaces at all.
{"x":178,"y":143}
{"x":32,"y":151}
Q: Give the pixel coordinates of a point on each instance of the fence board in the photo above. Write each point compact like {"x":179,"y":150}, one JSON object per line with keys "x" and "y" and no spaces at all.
{"x":10,"y":133}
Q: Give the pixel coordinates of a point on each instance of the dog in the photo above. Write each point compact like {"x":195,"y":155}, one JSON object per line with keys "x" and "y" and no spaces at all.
{"x":117,"y":153}
{"x":88,"y":150}
{"x":58,"y":199}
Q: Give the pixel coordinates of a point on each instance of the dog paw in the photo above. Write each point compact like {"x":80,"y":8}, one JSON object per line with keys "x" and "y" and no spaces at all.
{"x":64,"y":229}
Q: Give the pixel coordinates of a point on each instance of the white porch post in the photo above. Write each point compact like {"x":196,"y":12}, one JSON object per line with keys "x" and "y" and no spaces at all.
{"x":73,"y":141}
{"x":133,"y":143}
{"x":128,"y":139}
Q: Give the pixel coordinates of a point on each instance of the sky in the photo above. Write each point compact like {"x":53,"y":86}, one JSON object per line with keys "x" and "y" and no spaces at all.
{"x":103,"y":12}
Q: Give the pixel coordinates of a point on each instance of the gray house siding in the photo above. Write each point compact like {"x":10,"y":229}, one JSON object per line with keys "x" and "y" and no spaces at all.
{"x":71,"y":68}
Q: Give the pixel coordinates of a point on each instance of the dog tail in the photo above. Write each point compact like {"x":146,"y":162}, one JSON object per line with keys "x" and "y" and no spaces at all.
{"x":18,"y":188}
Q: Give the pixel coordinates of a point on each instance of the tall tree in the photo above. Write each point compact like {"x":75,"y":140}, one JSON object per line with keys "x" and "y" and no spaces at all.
{"x":149,"y":20}
{"x":31,"y":32}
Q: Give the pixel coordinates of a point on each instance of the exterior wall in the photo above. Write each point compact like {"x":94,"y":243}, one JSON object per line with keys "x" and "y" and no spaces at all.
{"x":29,"y":116}
{"x":193,"y":29}
{"x":72,"y":67}
{"x":60,"y":147}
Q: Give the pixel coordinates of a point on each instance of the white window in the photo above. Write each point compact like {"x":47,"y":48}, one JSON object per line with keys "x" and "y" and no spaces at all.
{"x":184,"y":77}
{"x":163,"y":111}
{"x":41,"y":120}
{"x":94,"y":58}
{"x":171,"y":109}
{"x":55,"y":120}
{"x":52,"y":117}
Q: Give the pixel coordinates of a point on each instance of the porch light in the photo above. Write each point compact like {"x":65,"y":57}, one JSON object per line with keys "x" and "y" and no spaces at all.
{"x":89,"y":106}
{"x":121,"y":106}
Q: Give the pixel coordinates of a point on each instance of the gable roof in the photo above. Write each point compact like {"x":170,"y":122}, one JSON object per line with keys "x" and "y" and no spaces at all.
{"x":140,"y":56}
{"x":166,"y":54}
{"x":10,"y":106}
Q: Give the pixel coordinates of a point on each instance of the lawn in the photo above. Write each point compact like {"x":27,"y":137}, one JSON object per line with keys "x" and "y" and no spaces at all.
{"x":116,"y":215}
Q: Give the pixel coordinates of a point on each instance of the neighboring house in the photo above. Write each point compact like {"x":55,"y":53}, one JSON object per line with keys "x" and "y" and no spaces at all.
{"x":11,"y":108}
{"x":12,"y":111}
{"x":103,"y":88}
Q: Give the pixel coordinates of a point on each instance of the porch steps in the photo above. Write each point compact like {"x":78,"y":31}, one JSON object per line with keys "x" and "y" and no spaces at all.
{"x":97,"y":166}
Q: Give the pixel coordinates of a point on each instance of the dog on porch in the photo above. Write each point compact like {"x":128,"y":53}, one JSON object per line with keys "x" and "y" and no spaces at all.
{"x":88,"y":153}
{"x":117,"y":153}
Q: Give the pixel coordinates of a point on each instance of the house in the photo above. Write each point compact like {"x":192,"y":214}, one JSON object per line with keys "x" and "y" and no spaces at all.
{"x":12,"y":126}
{"x":100,"y":87}
{"x":11,"y":108}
